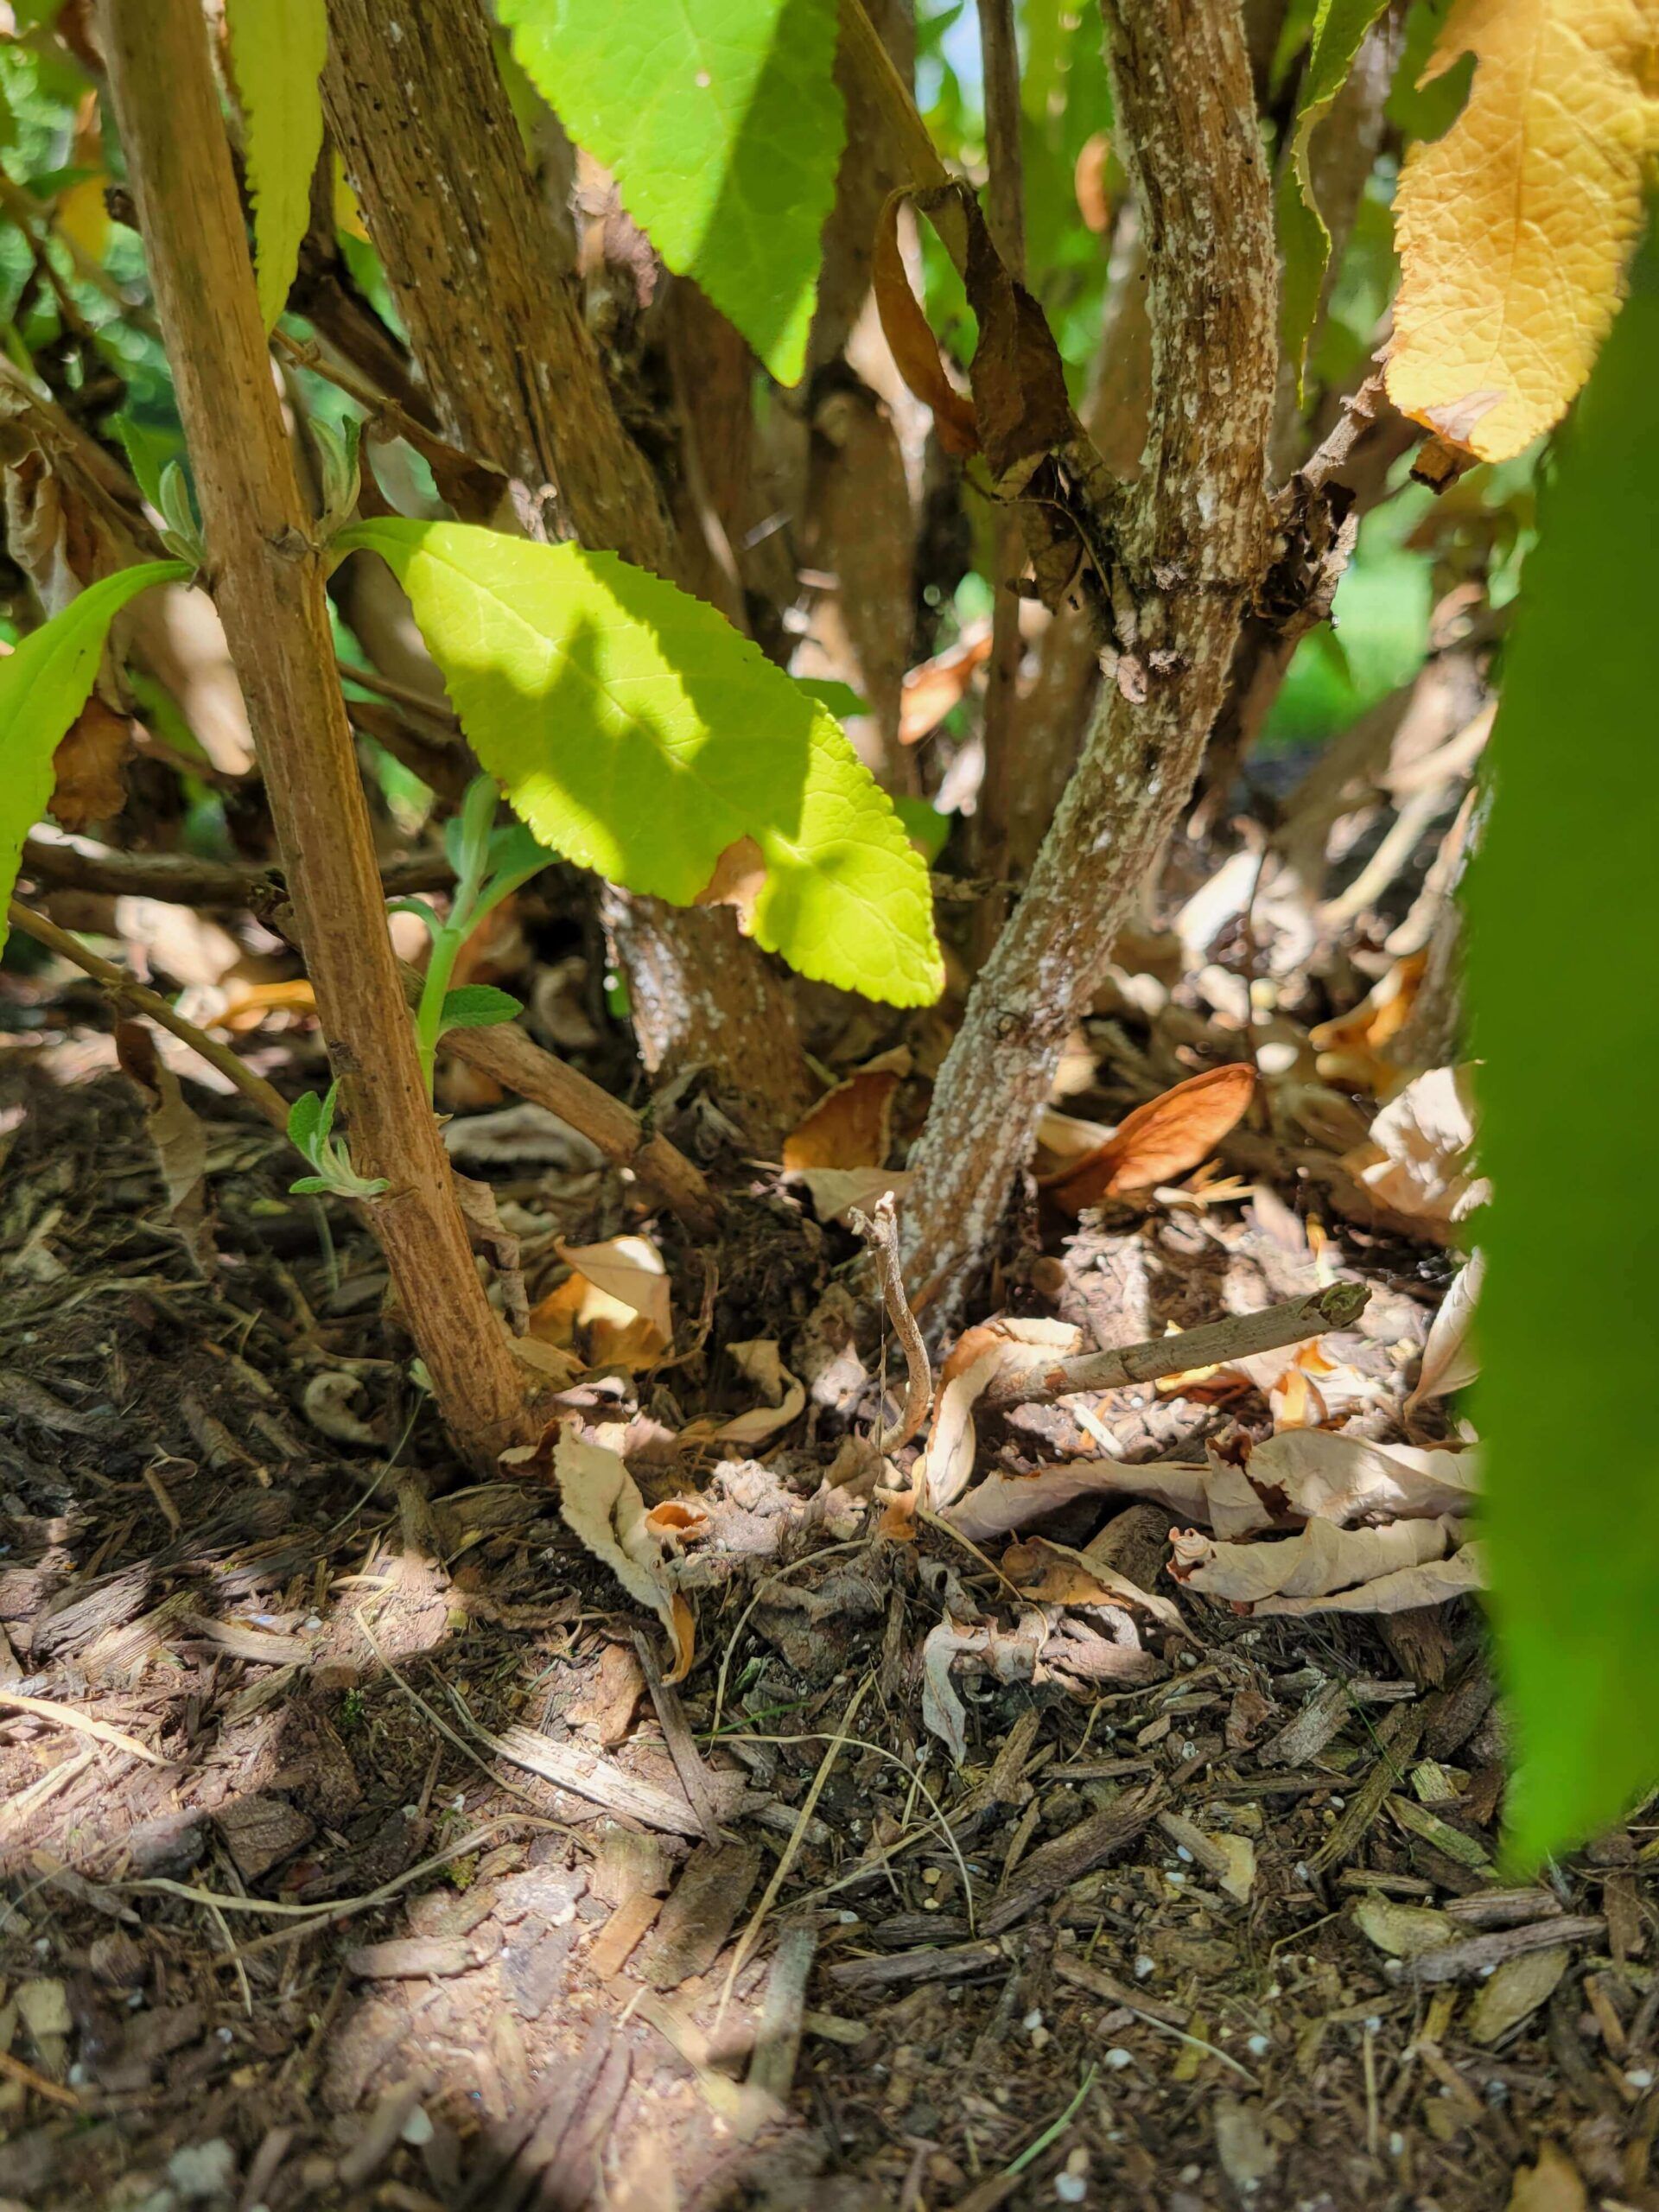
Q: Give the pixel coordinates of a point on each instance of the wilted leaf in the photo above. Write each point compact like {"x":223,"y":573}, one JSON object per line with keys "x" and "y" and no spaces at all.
{"x":1514,"y":229}
{"x":177,"y":1137}
{"x":1339,"y":28}
{"x":1002,"y":1503}
{"x":87,"y":784}
{"x":1408,"y":1590}
{"x":912,"y":343}
{"x":1159,"y":1142}
{"x":850,"y":1127}
{"x":1569,"y":1037}
{"x":1418,"y":1159}
{"x":1021,"y":402}
{"x":1350,"y":1049}
{"x":756,"y":1359}
{"x":1054,"y":1574}
{"x":1308,"y":1474}
{"x":722,"y":123}
{"x":277,"y":49}
{"x":637,"y":733}
{"x":620,"y":1292}
{"x":979,"y":1357}
{"x":1010,"y":1654}
{"x":1321,"y":1558}
{"x":44,"y":683}
{"x":839,"y":1193}
{"x":1450,"y":1362}
{"x":600,"y":1501}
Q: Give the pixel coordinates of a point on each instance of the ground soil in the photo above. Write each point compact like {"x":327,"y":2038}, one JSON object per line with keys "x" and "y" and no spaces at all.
{"x":281,"y":1924}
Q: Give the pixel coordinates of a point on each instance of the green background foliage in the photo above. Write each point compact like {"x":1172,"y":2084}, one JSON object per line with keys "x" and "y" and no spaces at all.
{"x":1565,"y":913}
{"x":723,"y":124}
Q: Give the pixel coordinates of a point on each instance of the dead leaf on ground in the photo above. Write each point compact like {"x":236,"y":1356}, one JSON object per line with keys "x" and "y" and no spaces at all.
{"x":850,"y":1126}
{"x":1159,"y":1142}
{"x":1319,"y":1558}
{"x":1417,"y":1159}
{"x":1404,"y":1931}
{"x":1003,"y":1503}
{"x":981,"y":1356}
{"x":88,"y":785}
{"x":1307,"y":1474}
{"x":1350,"y":1049}
{"x":177,"y":1137}
{"x":617,"y":1294}
{"x":1450,"y":1361}
{"x":838,"y":1193}
{"x":1054,"y":1574}
{"x":1010,"y":1654}
{"x":934,"y":687}
{"x":1437,"y":1582}
{"x":915,"y":350}
{"x":758,"y":1360}
{"x":599,"y":1502}
{"x":1554,"y":2185}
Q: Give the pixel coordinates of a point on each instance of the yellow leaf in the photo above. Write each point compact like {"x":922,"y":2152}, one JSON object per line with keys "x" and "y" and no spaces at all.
{"x":1514,"y":229}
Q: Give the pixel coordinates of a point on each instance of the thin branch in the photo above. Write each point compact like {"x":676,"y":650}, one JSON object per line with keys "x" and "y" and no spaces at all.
{"x":1213,"y":1344}
{"x":264,"y":1095}
{"x":179,"y":879}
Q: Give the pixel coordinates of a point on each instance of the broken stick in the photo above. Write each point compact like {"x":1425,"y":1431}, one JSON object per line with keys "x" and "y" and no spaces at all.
{"x":1338,"y":1306}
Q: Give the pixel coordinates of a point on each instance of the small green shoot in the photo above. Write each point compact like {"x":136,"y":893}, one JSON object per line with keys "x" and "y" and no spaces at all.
{"x":310,"y":1125}
{"x":489,"y":863}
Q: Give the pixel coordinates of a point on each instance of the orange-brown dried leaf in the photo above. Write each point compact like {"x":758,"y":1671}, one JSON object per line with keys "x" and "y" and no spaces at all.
{"x":1167,"y":1137}
{"x":1515,"y":228}
{"x":739,"y":879}
{"x":88,"y":785}
{"x":912,"y":343}
{"x":850,"y":1127}
{"x":935,"y":686}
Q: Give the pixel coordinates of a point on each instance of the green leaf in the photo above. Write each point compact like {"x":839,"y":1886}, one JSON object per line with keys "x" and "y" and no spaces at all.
{"x":278,"y":48}
{"x":1564,"y":902}
{"x":841,"y":698}
{"x":478,"y":1006}
{"x":723,"y":124}
{"x":1339,"y":27}
{"x":305,"y":1131}
{"x":44,"y":686}
{"x":310,"y":1187}
{"x":637,"y":733}
{"x":925,"y":826}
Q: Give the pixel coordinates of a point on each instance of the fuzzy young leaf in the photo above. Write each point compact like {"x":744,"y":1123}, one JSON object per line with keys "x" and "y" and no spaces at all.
{"x":1514,"y":228}
{"x":305,"y":1124}
{"x":478,"y":1006}
{"x":1570,"y":1307}
{"x":637,"y":733}
{"x":278,"y":48}
{"x":1339,"y":27}
{"x":44,"y":686}
{"x":723,"y":124}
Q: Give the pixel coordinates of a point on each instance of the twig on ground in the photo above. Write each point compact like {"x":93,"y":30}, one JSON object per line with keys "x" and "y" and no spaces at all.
{"x":1338,"y":1306}
{"x":881,"y":1235}
{"x":264,"y":1095}
{"x":66,"y":1716}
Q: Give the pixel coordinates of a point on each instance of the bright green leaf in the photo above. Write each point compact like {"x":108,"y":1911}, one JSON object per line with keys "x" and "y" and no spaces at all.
{"x":1339,"y":27}
{"x":1564,"y":904}
{"x":723,"y":124}
{"x":637,"y":733}
{"x":278,"y":48}
{"x":306,"y":1129}
{"x":478,"y":1006}
{"x":44,"y":686}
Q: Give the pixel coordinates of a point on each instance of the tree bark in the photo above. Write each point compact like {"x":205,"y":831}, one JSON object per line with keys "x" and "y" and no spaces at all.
{"x":495,"y":324}
{"x":1193,"y":547}
{"x":268,"y":582}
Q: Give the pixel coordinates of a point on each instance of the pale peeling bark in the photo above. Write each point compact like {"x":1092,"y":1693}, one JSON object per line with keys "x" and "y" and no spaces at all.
{"x":1193,"y":547}
{"x":475,"y":263}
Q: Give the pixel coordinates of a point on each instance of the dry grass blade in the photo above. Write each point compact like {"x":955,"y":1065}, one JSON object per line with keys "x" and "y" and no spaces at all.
{"x":65,"y":1716}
